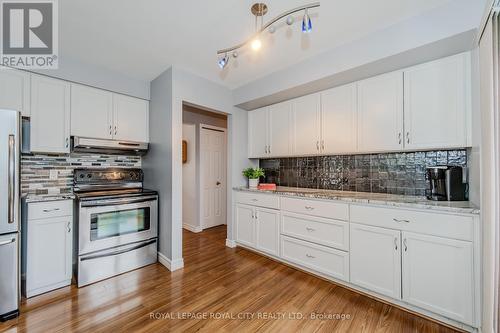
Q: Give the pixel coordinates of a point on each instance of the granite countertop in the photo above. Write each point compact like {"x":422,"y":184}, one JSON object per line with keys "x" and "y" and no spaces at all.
{"x":46,"y":197}
{"x":404,"y":201}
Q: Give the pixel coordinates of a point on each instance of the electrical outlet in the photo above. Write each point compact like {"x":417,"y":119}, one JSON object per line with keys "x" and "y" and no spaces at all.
{"x":53,"y":174}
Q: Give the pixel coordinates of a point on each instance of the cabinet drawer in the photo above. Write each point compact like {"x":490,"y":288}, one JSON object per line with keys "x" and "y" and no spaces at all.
{"x":444,"y":225}
{"x":42,"y":210}
{"x":322,"y":259}
{"x":319,"y":230}
{"x":258,"y":199}
{"x":328,"y":209}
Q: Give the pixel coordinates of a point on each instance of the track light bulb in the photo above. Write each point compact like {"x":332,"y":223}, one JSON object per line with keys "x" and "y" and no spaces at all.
{"x":306,"y":22}
{"x":223,"y":61}
{"x":256,"y":44}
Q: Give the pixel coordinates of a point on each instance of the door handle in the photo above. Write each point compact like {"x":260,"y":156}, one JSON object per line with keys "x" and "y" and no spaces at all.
{"x":69,"y":227}
{"x":396,"y":243}
{"x":116,"y":131}
{"x":110,"y":130}
{"x":218,"y":183}
{"x":408,"y":137}
{"x":399,"y":137}
{"x":10,"y":241}
{"x":405,"y":245}
{"x":12,"y":178}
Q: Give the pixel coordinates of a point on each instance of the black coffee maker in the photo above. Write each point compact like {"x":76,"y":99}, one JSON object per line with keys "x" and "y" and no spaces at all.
{"x":446,"y":183}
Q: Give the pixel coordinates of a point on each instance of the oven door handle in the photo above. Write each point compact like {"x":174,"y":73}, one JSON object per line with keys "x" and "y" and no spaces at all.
{"x":98,"y":203}
{"x":104,"y":255}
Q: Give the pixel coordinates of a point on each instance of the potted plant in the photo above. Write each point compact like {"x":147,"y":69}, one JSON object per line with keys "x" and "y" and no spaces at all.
{"x":253,"y":175}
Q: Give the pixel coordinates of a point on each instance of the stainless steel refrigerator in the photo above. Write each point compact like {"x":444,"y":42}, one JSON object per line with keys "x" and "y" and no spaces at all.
{"x":9,"y":213}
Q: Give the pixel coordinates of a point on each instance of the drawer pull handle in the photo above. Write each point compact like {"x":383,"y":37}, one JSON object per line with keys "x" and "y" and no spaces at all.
{"x":255,"y":200}
{"x":309,"y":207}
{"x":310,"y":256}
{"x":50,"y":210}
{"x":309,"y":229}
{"x":401,"y":221}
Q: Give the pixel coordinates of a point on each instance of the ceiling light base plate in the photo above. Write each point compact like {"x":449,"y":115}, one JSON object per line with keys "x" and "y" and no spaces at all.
{"x":259,"y":9}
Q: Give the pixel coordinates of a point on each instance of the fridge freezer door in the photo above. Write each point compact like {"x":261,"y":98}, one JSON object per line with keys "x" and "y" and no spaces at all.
{"x":9,"y":276}
{"x":9,"y":171}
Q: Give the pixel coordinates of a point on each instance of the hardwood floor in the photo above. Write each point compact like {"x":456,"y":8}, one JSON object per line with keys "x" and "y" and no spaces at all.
{"x":217,"y":282}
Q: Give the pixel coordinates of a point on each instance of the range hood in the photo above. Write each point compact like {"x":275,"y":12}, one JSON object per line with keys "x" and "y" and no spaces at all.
{"x":102,"y":146}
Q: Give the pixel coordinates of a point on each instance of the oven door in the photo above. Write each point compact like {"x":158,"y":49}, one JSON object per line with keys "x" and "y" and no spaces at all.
{"x":108,"y":223}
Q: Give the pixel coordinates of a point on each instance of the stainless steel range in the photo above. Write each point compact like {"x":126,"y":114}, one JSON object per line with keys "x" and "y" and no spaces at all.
{"x":117,"y":223}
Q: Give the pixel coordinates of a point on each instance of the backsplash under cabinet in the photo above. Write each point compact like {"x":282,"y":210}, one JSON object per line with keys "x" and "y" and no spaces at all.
{"x":392,"y":173}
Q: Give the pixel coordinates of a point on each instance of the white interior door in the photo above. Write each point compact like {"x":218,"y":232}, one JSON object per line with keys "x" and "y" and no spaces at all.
{"x":212,"y":175}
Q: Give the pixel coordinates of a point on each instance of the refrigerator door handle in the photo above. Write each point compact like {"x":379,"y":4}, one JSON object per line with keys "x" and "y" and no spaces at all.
{"x":12,"y":178}
{"x":7,"y":242}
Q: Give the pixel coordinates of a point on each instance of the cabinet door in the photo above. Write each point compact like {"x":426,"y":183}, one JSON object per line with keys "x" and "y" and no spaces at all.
{"x":50,"y":115}
{"x":15,"y":90}
{"x":91,"y":112}
{"x":258,"y":124}
{"x":376,"y":259}
{"x":245,"y":225}
{"x":49,"y":248}
{"x":380,"y":113}
{"x":437,"y":100}
{"x":338,"y":120}
{"x":131,"y":118}
{"x":306,"y":125}
{"x":267,"y":230}
{"x":279,"y":129}
{"x":437,"y":275}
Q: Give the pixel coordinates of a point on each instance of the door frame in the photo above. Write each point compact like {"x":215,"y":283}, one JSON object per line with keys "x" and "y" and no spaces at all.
{"x":199,"y":172}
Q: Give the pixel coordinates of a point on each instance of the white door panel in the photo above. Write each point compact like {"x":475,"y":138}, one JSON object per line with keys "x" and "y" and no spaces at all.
{"x":131,"y":118}
{"x":258,"y":128}
{"x":267,"y":230}
{"x":15,"y":91}
{"x":245,"y":225}
{"x":279,"y":129}
{"x":306,"y":125}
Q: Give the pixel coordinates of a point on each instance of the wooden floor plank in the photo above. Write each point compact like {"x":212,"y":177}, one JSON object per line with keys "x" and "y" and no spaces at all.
{"x":238,"y":285}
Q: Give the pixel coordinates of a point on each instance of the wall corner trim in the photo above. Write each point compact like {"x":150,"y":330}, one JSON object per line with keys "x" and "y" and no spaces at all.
{"x":172,"y":265}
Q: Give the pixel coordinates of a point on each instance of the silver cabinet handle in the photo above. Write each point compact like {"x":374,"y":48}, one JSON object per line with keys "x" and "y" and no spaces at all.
{"x":50,"y":210}
{"x":308,"y":207}
{"x":310,"y":229}
{"x":317,"y":145}
{"x":400,"y":221}
{"x":310,"y":256}
{"x":265,"y":149}
{"x":408,"y":137}
{"x":67,"y":142}
{"x":269,"y":149}
{"x":323,"y":144}
{"x":12,"y":178}
{"x":399,"y":137}
{"x":116,"y":131}
{"x":69,"y":227}
{"x":110,"y":130}
{"x":255,"y":200}
{"x":396,"y":243}
{"x":405,"y":245}
{"x":7,"y":242}
{"x":256,"y":215}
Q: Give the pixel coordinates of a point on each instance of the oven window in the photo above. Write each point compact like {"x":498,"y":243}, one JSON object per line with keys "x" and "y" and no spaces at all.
{"x":111,"y":224}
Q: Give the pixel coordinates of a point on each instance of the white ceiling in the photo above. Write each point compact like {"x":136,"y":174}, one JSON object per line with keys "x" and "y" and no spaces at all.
{"x":141,"y":39}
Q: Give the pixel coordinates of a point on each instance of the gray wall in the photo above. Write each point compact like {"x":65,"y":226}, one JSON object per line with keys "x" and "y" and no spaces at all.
{"x":157,"y":164}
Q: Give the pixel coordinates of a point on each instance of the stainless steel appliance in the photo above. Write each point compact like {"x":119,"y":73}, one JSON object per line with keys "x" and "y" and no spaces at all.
{"x":117,"y":223}
{"x":9,"y":214}
{"x":102,"y":146}
{"x":447,"y":183}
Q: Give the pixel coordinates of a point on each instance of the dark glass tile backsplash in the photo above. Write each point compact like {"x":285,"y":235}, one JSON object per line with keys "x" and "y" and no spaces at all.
{"x":393,"y":173}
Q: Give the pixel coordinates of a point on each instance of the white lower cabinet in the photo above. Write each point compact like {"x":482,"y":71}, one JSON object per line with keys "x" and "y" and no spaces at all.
{"x":438,"y":275}
{"x":322,"y":259}
{"x":376,"y":259}
{"x":48,"y":248}
{"x":258,"y":228}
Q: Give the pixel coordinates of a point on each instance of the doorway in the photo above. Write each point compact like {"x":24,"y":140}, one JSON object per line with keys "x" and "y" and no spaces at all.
{"x":204,"y":168}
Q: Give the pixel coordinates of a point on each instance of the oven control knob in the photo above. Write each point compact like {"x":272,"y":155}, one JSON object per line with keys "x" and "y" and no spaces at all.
{"x":132,"y":175}
{"x":82,"y":175}
{"x":89,"y":175}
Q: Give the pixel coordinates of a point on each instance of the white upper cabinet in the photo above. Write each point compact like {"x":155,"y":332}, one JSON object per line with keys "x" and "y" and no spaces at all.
{"x":438,"y":275}
{"x":258,"y":124}
{"x":50,"y":115}
{"x":437,"y":99}
{"x":15,"y":90}
{"x":91,"y":112}
{"x":338,"y":120}
{"x":131,"y":118}
{"x":376,"y":259}
{"x":279,"y":129}
{"x":380,"y":113}
{"x":306,"y":125}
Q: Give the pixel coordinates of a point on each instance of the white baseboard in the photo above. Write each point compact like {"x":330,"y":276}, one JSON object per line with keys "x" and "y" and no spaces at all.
{"x":192,"y":228}
{"x":230,"y":243}
{"x":172,"y":265}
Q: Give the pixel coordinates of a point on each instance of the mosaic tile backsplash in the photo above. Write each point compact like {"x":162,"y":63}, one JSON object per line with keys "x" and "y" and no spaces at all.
{"x":36,"y":170}
{"x":393,"y":173}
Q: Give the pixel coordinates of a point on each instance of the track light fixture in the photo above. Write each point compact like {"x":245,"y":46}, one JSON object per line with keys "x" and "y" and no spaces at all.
{"x":259,"y":10}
